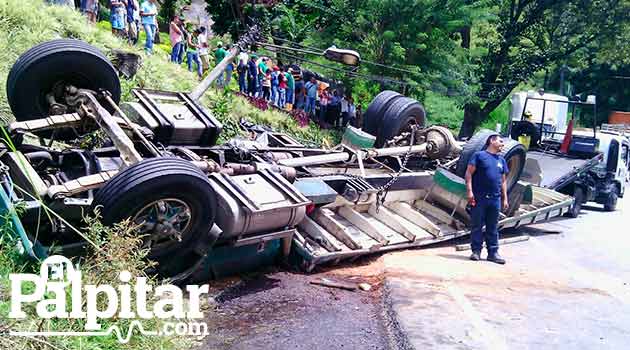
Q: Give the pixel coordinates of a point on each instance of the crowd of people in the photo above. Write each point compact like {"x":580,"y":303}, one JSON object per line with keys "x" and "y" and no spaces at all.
{"x":284,"y":87}
{"x":281,"y":86}
{"x":127,"y":17}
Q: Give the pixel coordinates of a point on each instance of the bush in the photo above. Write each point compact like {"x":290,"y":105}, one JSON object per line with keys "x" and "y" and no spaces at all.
{"x":443,"y":110}
{"x":115,"y":249}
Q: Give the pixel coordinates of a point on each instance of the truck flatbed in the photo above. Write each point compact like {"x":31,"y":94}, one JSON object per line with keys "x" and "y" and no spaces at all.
{"x":559,"y":170}
{"x":423,"y":209}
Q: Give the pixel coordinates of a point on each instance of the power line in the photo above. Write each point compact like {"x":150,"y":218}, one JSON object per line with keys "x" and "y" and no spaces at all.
{"x":289,"y":48}
{"x":348,"y":72}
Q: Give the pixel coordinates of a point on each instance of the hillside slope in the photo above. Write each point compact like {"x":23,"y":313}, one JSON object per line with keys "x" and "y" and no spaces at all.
{"x":25,"y":23}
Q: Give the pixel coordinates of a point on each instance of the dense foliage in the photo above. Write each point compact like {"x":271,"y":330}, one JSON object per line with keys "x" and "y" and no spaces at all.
{"x":461,"y":57}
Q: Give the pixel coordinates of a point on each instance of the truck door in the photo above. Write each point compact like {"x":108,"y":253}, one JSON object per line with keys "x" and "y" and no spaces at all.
{"x":624,"y":170}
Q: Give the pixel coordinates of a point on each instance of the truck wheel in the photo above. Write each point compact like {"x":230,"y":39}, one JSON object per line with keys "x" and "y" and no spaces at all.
{"x":173,"y":204}
{"x":376,"y":110}
{"x":513,"y":152}
{"x":611,"y":202}
{"x":398,"y":118}
{"x":576,"y":208}
{"x":49,"y":67}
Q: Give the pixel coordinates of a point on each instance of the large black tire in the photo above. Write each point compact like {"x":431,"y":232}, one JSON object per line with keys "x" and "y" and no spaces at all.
{"x":399,"y":117}
{"x":164,"y":179}
{"x":611,"y":202}
{"x":376,"y":110}
{"x":70,"y":61}
{"x":513,"y":152}
{"x":576,"y":208}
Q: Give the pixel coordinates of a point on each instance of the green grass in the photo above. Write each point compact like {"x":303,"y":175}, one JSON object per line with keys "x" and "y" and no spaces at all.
{"x":500,"y":115}
{"x":25,"y":23}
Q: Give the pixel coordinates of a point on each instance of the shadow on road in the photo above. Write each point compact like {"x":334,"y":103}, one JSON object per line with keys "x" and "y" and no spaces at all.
{"x":454,"y":256}
{"x":256,"y":285}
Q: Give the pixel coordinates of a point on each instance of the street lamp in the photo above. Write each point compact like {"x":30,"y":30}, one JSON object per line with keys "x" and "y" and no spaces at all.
{"x":348,"y":57}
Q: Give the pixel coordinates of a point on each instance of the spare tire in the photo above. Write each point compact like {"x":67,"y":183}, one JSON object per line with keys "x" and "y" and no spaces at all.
{"x":514,"y":153}
{"x":376,"y":110}
{"x":57,"y":63}
{"x":174,"y":206}
{"x":398,"y":118}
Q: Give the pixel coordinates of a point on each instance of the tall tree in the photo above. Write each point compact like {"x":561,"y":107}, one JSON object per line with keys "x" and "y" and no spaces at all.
{"x":531,"y":35}
{"x":415,"y":41}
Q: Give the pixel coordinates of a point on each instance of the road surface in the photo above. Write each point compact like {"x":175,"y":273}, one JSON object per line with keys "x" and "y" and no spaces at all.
{"x":567,"y":287}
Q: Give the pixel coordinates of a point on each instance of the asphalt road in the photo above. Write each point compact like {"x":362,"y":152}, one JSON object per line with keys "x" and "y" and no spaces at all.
{"x":567,"y":287}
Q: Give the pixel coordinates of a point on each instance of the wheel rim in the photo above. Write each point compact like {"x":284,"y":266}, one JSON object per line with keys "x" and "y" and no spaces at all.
{"x":163,"y":222}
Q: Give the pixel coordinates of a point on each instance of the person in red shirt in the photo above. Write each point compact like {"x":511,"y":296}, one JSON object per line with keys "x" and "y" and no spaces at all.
{"x":324,"y":99}
{"x":282,"y":88}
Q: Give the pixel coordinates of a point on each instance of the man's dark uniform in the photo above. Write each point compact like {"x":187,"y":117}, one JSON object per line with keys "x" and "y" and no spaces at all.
{"x":486,"y":186}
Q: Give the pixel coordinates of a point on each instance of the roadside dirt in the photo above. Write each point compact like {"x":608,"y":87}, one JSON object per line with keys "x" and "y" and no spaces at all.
{"x":275,"y":309}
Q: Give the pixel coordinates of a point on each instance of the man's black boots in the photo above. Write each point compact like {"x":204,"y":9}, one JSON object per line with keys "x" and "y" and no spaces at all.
{"x":475,"y":256}
{"x":496,"y":258}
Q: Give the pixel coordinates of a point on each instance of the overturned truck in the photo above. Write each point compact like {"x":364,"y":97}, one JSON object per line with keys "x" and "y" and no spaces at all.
{"x":74,"y":148}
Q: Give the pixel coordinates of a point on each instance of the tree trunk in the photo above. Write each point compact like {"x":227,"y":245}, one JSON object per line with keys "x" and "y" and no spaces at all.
{"x":471,"y":120}
{"x":465,"y":33}
{"x":474,"y":114}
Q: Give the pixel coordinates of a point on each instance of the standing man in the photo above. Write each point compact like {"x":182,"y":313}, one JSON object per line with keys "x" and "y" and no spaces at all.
{"x":192,"y":54}
{"x":262,"y":71}
{"x":241,"y":69}
{"x":132,"y":26}
{"x":344,"y":111}
{"x":252,"y":75}
{"x":311,"y":95}
{"x":148,"y":12}
{"x":229,"y":71}
{"x":290,"y":87}
{"x":487,"y":193}
{"x":300,"y":97}
{"x":219,"y":55}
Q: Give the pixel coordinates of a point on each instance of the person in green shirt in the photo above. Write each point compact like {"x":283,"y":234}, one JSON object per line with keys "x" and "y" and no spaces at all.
{"x":192,"y":53}
{"x":290,"y":86}
{"x":262,"y":70}
{"x":219,"y":55}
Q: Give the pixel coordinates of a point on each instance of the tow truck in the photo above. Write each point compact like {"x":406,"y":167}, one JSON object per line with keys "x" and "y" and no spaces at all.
{"x":588,"y":164}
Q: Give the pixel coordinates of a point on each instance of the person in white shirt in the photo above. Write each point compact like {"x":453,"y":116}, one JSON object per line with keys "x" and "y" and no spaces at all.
{"x":352,"y":114}
{"x":243,"y":56}
{"x":344,"y":110}
{"x":203,"y":50}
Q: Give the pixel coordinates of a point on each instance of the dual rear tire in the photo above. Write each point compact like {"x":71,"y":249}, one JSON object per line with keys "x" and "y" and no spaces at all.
{"x":49,"y":67}
{"x":390,"y":114}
